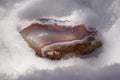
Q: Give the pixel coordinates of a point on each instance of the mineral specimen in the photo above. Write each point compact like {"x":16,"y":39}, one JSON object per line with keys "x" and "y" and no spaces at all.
{"x":55,"y":39}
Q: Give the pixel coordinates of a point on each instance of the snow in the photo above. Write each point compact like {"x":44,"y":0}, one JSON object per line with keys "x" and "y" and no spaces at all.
{"x":19,"y":62}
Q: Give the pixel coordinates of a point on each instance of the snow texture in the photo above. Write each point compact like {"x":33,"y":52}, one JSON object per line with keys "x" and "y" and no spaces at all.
{"x":19,"y":62}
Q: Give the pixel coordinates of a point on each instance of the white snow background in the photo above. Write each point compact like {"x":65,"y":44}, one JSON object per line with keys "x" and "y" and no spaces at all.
{"x":19,"y":62}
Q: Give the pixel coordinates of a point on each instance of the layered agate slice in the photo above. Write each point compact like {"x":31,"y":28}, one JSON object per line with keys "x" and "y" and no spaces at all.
{"x":56,"y":39}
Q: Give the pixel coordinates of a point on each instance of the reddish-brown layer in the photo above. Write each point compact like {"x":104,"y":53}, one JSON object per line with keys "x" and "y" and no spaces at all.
{"x":57,"y":27}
